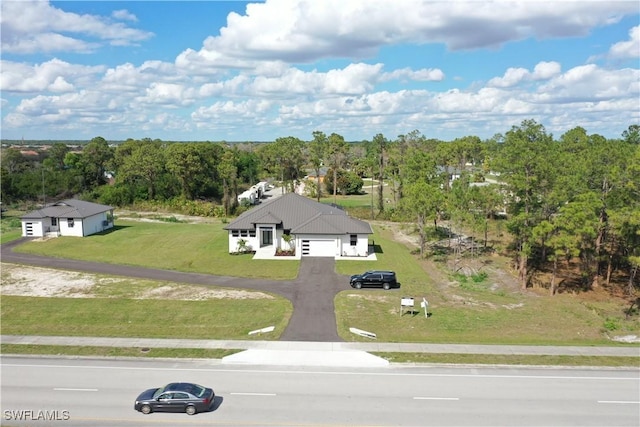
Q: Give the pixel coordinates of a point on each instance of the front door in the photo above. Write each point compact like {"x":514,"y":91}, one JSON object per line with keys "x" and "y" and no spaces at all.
{"x":266,"y":237}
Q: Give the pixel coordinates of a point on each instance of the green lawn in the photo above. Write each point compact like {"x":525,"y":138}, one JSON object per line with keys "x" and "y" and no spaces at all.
{"x":191,"y":353}
{"x":200,"y":248}
{"x":124,"y":317}
{"x":10,"y":226}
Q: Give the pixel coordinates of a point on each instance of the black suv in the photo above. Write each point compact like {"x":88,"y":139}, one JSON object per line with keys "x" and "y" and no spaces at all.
{"x":385,"y":279}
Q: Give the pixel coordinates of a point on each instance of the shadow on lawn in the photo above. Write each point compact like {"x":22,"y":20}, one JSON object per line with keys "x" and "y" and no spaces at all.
{"x":110,"y":230}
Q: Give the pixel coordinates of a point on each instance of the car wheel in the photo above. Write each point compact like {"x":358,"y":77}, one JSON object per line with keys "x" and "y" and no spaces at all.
{"x":386,"y":286}
{"x":358,"y":285}
{"x":190,"y":410}
{"x":145,"y":409}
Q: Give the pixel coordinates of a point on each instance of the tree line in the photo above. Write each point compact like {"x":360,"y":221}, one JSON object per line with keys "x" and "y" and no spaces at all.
{"x":574,"y":200}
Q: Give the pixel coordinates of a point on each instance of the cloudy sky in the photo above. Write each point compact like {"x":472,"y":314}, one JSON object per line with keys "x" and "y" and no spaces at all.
{"x":239,"y":71}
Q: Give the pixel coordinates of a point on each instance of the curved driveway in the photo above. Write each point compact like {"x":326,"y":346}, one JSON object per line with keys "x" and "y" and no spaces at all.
{"x":312,"y":293}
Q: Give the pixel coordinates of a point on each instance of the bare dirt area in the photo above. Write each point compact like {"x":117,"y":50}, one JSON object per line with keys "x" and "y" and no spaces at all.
{"x":490,"y":264}
{"x":22,"y":280}
{"x":161,"y":217}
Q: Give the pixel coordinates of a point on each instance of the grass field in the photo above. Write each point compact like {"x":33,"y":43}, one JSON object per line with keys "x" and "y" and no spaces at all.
{"x":10,"y":226}
{"x":473,"y":312}
{"x":157,"y":318}
{"x":199,"y":248}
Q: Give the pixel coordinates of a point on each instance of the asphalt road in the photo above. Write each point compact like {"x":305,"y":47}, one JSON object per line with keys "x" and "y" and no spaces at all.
{"x":101,"y":393}
{"x":311,"y":293}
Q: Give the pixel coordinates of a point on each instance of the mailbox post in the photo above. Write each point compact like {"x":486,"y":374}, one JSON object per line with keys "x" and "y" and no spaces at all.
{"x":425,"y":305}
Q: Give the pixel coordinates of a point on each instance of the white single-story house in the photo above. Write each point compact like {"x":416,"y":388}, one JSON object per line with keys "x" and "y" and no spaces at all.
{"x":315,"y":229}
{"x":69,"y":217}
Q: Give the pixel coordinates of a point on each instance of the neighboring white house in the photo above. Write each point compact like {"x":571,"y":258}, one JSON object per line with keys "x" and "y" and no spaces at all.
{"x":316,"y":229}
{"x":69,"y":217}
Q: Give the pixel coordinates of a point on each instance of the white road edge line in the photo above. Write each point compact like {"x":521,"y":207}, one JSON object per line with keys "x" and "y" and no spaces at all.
{"x":435,"y":398}
{"x":253,"y":394}
{"x":277,"y":371}
{"x":75,"y":389}
{"x":623,"y":402}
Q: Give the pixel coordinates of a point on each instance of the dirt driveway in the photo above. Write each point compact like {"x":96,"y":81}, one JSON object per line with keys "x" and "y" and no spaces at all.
{"x":312,"y":293}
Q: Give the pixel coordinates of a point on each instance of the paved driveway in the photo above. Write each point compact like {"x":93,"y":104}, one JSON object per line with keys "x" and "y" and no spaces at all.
{"x":315,"y":289}
{"x":312,"y":292}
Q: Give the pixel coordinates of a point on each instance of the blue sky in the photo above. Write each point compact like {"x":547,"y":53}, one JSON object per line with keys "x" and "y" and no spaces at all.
{"x":257,"y":71}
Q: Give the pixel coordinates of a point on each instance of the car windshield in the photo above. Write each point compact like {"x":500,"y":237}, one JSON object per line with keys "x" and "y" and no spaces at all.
{"x":158,"y":392}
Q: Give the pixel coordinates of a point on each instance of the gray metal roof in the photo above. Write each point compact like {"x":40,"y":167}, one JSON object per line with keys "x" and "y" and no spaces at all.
{"x":268,"y":218}
{"x":301,"y":215}
{"x":70,"y":208}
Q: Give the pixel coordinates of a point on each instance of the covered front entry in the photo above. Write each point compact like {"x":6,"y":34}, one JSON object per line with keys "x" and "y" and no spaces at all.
{"x":266,"y":236}
{"x":319,"y":248}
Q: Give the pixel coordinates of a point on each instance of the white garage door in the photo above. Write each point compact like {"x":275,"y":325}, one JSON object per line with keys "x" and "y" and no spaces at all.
{"x":325,"y":248}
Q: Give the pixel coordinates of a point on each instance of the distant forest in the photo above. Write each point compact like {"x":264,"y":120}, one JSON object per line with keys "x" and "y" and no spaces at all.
{"x":571,"y":200}
{"x":79,"y":142}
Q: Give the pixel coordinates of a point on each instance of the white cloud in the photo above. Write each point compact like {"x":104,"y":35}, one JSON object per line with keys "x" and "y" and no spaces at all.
{"x":229,"y":87}
{"x":515,"y":76}
{"x":244,"y":81}
{"x":36,"y":26}
{"x":80,"y":106}
{"x":580,"y":92}
{"x":546,"y":70}
{"x":355,"y":78}
{"x":591,"y":83}
{"x":124,"y":15}
{"x":627,"y":49}
{"x":168,"y":94}
{"x":511,"y":77}
{"x":230,"y":116}
{"x":51,"y":76}
{"x":424,"y":75}
{"x":309,"y":30}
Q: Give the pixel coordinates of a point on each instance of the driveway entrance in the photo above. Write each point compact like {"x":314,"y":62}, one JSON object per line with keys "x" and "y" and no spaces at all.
{"x":314,"y":317}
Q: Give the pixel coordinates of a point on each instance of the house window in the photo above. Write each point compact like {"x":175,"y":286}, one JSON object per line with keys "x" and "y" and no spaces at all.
{"x":235,"y":233}
{"x":54,"y":222}
{"x":354,"y":240}
{"x":252,"y":233}
{"x":70,"y":222}
{"x":244,"y":233}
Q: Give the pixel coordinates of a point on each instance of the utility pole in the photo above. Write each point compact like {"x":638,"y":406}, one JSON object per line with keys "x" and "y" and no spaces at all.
{"x":44,"y":196}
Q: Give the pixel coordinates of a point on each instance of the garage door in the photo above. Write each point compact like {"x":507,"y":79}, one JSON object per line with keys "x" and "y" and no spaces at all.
{"x":325,"y":248}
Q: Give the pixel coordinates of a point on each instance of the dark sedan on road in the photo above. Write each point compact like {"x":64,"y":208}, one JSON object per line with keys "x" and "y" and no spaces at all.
{"x":176,"y":397}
